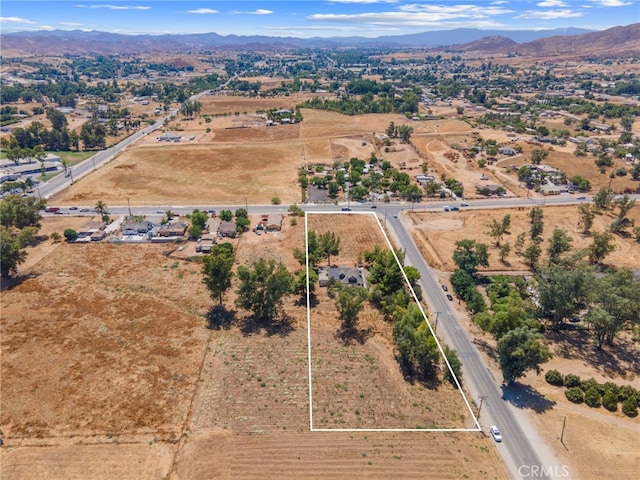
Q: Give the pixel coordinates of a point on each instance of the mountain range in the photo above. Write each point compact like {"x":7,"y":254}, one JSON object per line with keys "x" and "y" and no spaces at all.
{"x":622,"y":40}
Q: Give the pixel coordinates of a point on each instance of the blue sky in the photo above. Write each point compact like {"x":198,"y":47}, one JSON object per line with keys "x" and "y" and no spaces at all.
{"x":312,"y":18}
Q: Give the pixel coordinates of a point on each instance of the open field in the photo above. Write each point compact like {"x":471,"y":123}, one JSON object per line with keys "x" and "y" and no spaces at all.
{"x":124,"y":368}
{"x":436,"y":234}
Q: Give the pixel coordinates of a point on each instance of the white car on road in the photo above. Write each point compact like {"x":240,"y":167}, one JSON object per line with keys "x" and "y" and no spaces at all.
{"x":497,"y":436}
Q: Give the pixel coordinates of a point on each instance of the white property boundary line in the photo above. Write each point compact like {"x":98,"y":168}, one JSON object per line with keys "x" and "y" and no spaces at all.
{"x":424,"y":315}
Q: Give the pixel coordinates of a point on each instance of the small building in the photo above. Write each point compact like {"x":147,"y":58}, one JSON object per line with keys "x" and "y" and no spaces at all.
{"x":169,"y":137}
{"x":274,"y":222}
{"x":227,"y":229}
{"x":137,"y":227}
{"x":342,"y":274}
{"x":172,"y":230}
{"x":507,"y":151}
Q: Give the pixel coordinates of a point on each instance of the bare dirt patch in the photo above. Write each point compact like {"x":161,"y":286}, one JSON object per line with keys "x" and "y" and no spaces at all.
{"x":89,"y":343}
{"x":475,"y":224}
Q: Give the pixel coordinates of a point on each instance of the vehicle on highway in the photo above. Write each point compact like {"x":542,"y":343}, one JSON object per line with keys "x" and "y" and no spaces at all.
{"x":73,"y":208}
{"x":445,"y":288}
{"x":464,"y":204}
{"x":374,"y":206}
{"x":580,"y":197}
{"x":85,"y":209}
{"x":58,"y":213}
{"x":455,"y":209}
{"x":449,"y":297}
{"x":446,"y":208}
{"x":159,"y":211}
{"x":346,"y":209}
{"x":52,"y":209}
{"x":495,"y":433}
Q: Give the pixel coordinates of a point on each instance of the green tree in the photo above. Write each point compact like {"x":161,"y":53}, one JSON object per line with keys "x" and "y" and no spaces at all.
{"x":350,"y":302}
{"x":263,"y":287}
{"x":537,"y":155}
{"x":11,"y":252}
{"x":300,"y":282}
{"x":20,"y":212}
{"x":586,"y":215}
{"x":563,"y":291}
{"x":217,"y":270}
{"x":469,"y":255}
{"x":101,"y":209}
{"x":70,"y":234}
{"x":626,"y":122}
{"x":417,"y":350}
{"x":559,"y":243}
{"x":329,"y":244}
{"x":226,"y":215}
{"x":621,"y":221}
{"x":455,"y":363}
{"x":603,"y":199}
{"x":505,"y":249}
{"x":313,"y":249}
{"x":405,"y":133}
{"x":199,"y":219}
{"x":521,"y":350}
{"x":601,"y":247}
{"x":537,"y":226}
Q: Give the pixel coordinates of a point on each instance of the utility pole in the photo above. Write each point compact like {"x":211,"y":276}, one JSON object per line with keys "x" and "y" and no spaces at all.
{"x":435,"y":330}
{"x":129,"y":203}
{"x":482,"y":397}
{"x":246,"y":206}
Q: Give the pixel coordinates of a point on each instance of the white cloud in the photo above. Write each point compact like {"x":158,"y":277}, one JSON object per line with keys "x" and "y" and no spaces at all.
{"x":46,"y":27}
{"x":116,"y":7}
{"x":611,"y":3}
{"x":70,"y":24}
{"x":16,"y":20}
{"x":552,"y":3}
{"x":550,"y":14}
{"x":421,"y":16}
{"x":202,"y":11}
{"x":259,"y":11}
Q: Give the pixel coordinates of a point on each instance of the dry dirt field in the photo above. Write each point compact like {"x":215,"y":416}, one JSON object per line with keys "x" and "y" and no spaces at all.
{"x":123,"y":379}
{"x":436,"y":234}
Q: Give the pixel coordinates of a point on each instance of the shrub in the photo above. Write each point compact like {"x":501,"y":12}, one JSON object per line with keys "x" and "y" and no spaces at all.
{"x":571,"y":380}
{"x":610,"y":401}
{"x":554,"y":377}
{"x":609,"y":387}
{"x":70,"y":234}
{"x":627,"y":391}
{"x":574,"y":394}
{"x":592,"y":397}
{"x":630,"y":407}
{"x":589,"y":384}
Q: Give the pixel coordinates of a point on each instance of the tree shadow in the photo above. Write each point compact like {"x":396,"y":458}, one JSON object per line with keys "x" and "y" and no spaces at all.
{"x":618,"y":360}
{"x":15,"y":280}
{"x":350,"y":336}
{"x":525,"y":396}
{"x":302,"y":301}
{"x":487,"y":348}
{"x":282,"y":325}
{"x":219,"y":318}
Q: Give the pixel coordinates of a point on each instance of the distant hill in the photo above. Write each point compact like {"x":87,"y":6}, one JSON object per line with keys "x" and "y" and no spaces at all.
{"x":616,"y":41}
{"x":578,"y":42}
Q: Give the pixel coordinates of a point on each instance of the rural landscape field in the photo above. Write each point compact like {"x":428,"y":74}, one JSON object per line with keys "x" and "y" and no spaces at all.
{"x":271,"y":257}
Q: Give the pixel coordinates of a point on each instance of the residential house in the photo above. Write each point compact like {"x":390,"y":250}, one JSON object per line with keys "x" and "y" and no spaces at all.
{"x":342,"y":274}
{"x":136,"y":228}
{"x":176,"y":229}
{"x":227,"y":229}
{"x":507,"y":151}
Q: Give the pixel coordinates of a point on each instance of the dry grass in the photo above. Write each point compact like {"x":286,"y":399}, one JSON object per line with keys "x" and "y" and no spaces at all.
{"x":436,"y":234}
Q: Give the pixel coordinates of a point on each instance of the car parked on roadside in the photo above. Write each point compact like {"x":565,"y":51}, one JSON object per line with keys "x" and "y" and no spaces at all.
{"x":495,"y":433}
{"x":445,"y":288}
{"x":449,"y":297}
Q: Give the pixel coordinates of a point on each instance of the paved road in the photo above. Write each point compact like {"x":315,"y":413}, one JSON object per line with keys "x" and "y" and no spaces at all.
{"x":522,"y":445}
